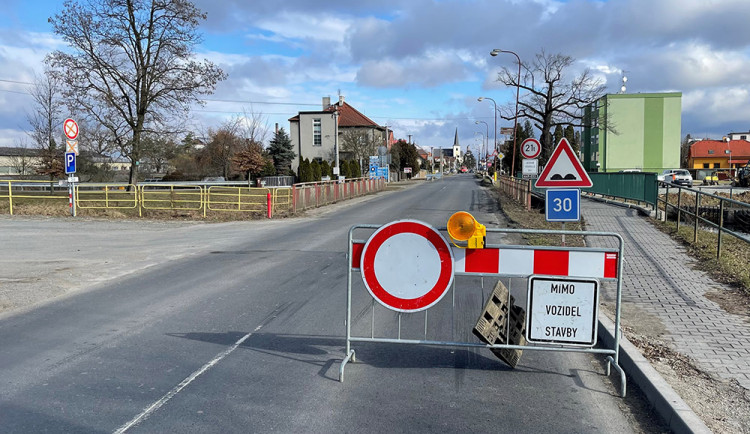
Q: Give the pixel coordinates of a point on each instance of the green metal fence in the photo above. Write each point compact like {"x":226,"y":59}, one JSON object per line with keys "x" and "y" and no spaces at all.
{"x":639,"y":186}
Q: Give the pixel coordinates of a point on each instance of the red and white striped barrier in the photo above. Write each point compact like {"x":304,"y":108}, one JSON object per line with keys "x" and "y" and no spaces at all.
{"x":525,"y":262}
{"x":515,"y":261}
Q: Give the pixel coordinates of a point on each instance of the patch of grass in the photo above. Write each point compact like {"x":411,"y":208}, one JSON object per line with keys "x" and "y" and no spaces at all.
{"x":731,"y":269}
{"x":535,"y":219}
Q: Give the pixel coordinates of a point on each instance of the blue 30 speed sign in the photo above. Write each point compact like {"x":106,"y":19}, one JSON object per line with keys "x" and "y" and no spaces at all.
{"x":563,"y":205}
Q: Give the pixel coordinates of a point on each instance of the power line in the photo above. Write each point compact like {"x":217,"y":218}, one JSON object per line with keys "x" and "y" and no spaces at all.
{"x":17,"y":82}
{"x":15,"y":91}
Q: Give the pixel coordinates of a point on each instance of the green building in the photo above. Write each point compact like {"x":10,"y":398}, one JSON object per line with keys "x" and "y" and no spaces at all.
{"x":632,"y":131}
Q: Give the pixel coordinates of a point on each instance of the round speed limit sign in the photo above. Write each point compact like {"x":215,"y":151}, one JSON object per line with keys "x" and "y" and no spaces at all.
{"x":531,"y":148}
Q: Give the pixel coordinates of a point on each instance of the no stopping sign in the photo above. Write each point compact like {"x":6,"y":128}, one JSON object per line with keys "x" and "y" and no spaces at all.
{"x":407,"y":266}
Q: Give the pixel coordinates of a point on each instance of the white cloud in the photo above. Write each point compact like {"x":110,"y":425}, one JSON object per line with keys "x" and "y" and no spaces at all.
{"x":306,"y":26}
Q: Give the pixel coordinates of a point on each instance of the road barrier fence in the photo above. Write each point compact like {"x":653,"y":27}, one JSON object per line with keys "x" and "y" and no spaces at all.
{"x":368,"y":321}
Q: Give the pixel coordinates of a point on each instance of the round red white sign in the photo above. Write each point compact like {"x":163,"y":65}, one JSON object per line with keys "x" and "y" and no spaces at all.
{"x":407,"y":266}
{"x":531,"y":148}
{"x":70,"y":127}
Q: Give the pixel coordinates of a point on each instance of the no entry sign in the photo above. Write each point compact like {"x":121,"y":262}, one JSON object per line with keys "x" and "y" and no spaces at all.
{"x":407,"y":266}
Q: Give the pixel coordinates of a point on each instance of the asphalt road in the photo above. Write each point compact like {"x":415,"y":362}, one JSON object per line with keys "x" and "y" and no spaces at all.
{"x":240,"y":328}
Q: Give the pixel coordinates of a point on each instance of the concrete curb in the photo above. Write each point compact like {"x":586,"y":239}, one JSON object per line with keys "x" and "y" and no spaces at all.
{"x":667,"y":403}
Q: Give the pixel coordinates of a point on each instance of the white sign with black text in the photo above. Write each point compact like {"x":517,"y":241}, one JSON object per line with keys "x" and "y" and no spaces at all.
{"x":530,"y":167}
{"x":562,"y":310}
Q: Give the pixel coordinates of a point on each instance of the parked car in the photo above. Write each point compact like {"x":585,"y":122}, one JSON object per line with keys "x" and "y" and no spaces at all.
{"x":676,"y":176}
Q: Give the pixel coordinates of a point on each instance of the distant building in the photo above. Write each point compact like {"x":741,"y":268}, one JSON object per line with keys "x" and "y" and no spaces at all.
{"x":313,"y":133}
{"x":18,"y":161}
{"x":632,"y":131}
{"x":719,"y":154}
{"x":739,"y":136}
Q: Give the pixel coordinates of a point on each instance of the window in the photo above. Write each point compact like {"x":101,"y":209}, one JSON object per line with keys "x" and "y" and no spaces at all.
{"x":743,"y":137}
{"x":716,"y":165}
{"x":710,"y":151}
{"x":317,"y":137}
{"x":706,"y":165}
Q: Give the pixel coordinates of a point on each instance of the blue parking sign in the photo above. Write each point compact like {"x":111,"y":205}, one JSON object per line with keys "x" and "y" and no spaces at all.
{"x":563,"y":205}
{"x":70,"y":162}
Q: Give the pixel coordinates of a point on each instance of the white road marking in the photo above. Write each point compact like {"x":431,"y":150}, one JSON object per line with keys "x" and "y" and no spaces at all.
{"x":184,"y":383}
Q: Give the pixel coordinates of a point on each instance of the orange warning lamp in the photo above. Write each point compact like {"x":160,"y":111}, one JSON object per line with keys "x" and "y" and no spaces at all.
{"x":462,"y":226}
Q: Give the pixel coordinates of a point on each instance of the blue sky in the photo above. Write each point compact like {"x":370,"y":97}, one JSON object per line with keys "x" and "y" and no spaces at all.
{"x":419,"y":65}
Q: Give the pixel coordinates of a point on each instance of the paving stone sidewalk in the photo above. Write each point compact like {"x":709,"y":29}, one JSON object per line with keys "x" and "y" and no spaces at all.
{"x":659,"y":277}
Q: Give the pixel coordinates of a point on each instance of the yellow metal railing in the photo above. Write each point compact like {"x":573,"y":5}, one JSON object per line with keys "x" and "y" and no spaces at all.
{"x":166,"y":196}
{"x":282,"y":199}
{"x":171,"y":197}
{"x":15,"y":191}
{"x":237,"y":199}
{"x":106,"y":196}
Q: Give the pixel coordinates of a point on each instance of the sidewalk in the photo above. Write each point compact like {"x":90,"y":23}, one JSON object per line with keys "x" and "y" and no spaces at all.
{"x":659,"y":278}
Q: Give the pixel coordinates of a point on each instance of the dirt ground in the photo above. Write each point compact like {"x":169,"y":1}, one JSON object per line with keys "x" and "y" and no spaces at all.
{"x":724,"y":406}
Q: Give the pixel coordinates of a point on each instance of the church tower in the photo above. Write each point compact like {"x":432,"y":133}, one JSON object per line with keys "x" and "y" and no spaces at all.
{"x":457,"y":150}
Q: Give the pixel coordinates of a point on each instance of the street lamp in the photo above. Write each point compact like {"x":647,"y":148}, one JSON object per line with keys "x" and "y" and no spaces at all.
{"x":487,"y":137}
{"x":494,"y":53}
{"x":482,"y":145}
{"x":480,"y":99}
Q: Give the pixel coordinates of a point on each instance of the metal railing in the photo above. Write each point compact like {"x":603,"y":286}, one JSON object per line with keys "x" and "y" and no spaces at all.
{"x":106,"y":196}
{"x":314,"y":194}
{"x":236,"y":199}
{"x":163,"y":196}
{"x":187,"y":196}
{"x":20,"y":191}
{"x":636,"y":186}
{"x":698,"y":208}
{"x":519,"y":189}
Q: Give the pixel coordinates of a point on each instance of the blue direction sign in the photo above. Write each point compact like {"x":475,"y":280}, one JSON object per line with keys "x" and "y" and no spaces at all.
{"x":70,"y":162}
{"x":563,"y":205}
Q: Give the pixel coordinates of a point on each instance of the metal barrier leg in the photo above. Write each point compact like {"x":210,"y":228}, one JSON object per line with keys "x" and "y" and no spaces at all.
{"x":346,"y":360}
{"x":623,"y":379}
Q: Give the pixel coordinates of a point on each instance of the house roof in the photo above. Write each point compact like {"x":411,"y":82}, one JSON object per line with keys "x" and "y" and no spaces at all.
{"x":351,"y":117}
{"x":18,"y":151}
{"x":348,"y":116}
{"x":738,"y":148}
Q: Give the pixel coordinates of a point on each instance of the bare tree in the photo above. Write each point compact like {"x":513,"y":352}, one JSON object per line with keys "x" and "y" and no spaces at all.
{"x":224,"y":142}
{"x":550,"y":99}
{"x":359,"y":144}
{"x":130,"y":64}
{"x":45,"y":120}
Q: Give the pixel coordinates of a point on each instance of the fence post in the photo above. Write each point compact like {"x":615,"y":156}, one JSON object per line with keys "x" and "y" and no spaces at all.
{"x":269,"y":203}
{"x":721,"y":228}
{"x":528,"y":195}
{"x":10,"y":196}
{"x":697,"y":214}
{"x":679,"y":205}
{"x":294,"y":198}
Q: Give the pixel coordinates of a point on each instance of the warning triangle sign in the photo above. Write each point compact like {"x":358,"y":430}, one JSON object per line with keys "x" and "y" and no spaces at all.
{"x":563,"y":169}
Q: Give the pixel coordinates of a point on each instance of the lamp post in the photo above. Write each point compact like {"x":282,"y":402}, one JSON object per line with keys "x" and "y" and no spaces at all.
{"x":480,"y":99}
{"x":487,"y":137}
{"x":729,"y":151}
{"x":336,"y":141}
{"x":494,"y":53}
{"x":481,"y":134}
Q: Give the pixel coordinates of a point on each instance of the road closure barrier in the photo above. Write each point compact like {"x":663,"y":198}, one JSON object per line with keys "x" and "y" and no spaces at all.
{"x":544,"y":298}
